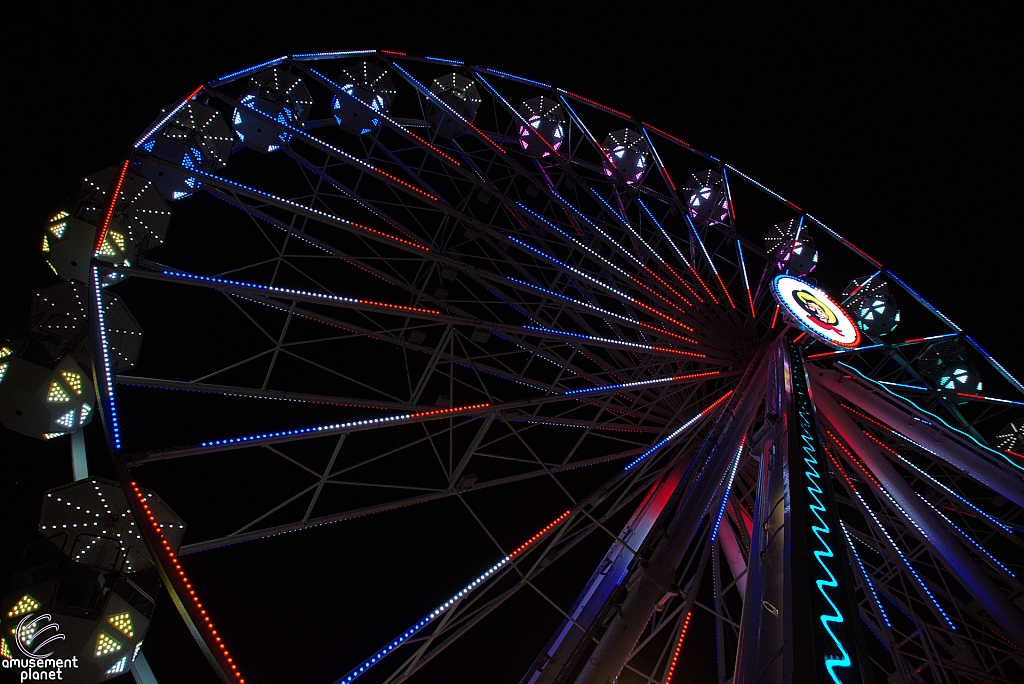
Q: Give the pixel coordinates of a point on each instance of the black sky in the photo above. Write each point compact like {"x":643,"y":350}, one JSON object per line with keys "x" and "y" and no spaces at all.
{"x":898,"y":133}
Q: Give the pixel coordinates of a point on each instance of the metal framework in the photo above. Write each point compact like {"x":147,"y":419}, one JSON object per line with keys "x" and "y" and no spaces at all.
{"x":347,"y":322}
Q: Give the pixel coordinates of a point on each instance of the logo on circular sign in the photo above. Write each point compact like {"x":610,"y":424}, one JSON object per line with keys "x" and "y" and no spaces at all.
{"x":816,"y":312}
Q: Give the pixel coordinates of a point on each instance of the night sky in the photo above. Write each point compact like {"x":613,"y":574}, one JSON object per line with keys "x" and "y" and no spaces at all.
{"x":900,"y":135}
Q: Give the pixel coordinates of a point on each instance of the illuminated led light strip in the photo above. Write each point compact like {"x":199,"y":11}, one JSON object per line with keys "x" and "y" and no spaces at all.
{"x":393,"y":52}
{"x":675,"y":653}
{"x":845,"y":242}
{"x":845,"y":351}
{"x":342,"y":426}
{"x":746,"y":282}
{"x":579,"y":122}
{"x":604,"y":312}
{"x":675,"y":433}
{"x":641,"y":383}
{"x":301,"y":293}
{"x":621,"y":219}
{"x":867,"y":577}
{"x":930,"y":415}
{"x":667,"y":135}
{"x":446,"y":61}
{"x":513,"y":77}
{"x":606,"y":340}
{"x":432,"y":147}
{"x":925,"y":474}
{"x":892,"y":543}
{"x":657,"y":159}
{"x":444,"y":607}
{"x":1005,"y":373}
{"x":595,"y":104}
{"x":728,"y":487}
{"x":334,"y":150}
{"x":436,"y":100}
{"x":229,"y":77}
{"x":810,"y":450}
{"x":113,"y":192}
{"x":968,"y":537}
{"x":770,"y":192}
{"x":108,"y":385}
{"x":183,"y":579}
{"x":566,"y":266}
{"x":693,"y":231}
{"x":313,"y":56}
{"x":170,"y":115}
{"x":632,"y":300}
{"x":921,"y":299}
{"x":296,"y":205}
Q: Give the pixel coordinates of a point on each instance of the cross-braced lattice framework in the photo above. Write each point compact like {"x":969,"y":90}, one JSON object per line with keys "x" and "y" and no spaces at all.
{"x":400,"y":318}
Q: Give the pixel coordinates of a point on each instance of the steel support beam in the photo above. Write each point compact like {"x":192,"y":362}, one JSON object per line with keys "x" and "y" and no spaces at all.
{"x":713,"y":461}
{"x":933,"y":438}
{"x":932,"y":531}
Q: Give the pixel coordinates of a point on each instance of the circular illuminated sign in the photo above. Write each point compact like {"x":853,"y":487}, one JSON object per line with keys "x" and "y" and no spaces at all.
{"x":816,"y":312}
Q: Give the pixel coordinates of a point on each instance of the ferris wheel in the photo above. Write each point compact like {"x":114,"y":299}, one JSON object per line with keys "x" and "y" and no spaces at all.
{"x":373,"y":284}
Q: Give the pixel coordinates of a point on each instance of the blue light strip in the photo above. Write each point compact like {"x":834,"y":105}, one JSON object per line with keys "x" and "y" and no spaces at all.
{"x":675,"y":433}
{"x":930,"y":415}
{"x":953,"y":494}
{"x":445,"y":607}
{"x":867,"y":577}
{"x":900,"y":384}
{"x":446,"y":61}
{"x":665,"y":234}
{"x":567,"y":267}
{"x":514,"y":78}
{"x":921,"y":299}
{"x":313,"y":56}
{"x":108,"y":384}
{"x":229,"y":77}
{"x":640,"y":383}
{"x":606,"y":340}
{"x":751,"y":180}
{"x":967,"y":537}
{"x":601,"y":311}
{"x":576,"y":118}
{"x":1005,"y":373}
{"x":707,"y":256}
{"x":728,"y":488}
{"x":906,"y":562}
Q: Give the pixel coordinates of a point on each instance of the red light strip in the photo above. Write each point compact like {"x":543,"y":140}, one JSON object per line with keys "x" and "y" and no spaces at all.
{"x":188,"y":586}
{"x":392,"y":52}
{"x":402,"y":182}
{"x":597,"y":104}
{"x":391,"y":237}
{"x":800,"y":336}
{"x":669,"y":287}
{"x":399,"y":307}
{"x":727,"y":295}
{"x":435,"y":149}
{"x":113,"y":192}
{"x":441,"y":412}
{"x":686,"y":284}
{"x":667,"y":135}
{"x":675,"y":654}
{"x":525,"y":545}
{"x":853,"y":458}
